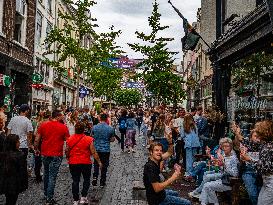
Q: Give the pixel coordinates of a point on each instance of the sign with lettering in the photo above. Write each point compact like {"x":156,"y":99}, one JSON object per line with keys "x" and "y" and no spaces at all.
{"x":250,"y":103}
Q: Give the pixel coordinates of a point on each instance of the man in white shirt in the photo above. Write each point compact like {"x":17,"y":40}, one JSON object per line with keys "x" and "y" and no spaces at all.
{"x":22,"y":126}
{"x":178,"y":125}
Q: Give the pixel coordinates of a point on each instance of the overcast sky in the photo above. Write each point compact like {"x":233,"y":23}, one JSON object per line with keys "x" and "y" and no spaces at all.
{"x":131,"y":15}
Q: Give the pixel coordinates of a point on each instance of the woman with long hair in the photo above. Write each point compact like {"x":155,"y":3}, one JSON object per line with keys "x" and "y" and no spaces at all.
{"x":264,"y":163}
{"x":122,"y":127}
{"x":71,"y":121}
{"x":80,"y":149}
{"x":131,"y":124}
{"x":189,"y":134}
{"x":159,"y":132}
{"x":13,"y":170}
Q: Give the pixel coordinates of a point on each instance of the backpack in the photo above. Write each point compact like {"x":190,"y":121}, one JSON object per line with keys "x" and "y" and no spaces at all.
{"x":122,"y":124}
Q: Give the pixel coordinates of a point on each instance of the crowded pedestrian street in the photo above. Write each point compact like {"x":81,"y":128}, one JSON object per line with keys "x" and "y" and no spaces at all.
{"x":123,"y":171}
{"x":136,"y":102}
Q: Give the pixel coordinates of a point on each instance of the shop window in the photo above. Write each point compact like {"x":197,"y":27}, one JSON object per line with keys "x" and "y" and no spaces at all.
{"x":1,"y":15}
{"x":20,"y":22}
{"x":39,"y":27}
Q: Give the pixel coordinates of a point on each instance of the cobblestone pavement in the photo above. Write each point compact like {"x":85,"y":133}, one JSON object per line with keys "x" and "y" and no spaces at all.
{"x":123,"y":170}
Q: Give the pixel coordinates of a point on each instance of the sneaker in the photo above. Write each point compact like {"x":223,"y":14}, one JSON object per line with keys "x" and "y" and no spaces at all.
{"x":134,"y":151}
{"x":94,"y":182}
{"x":84,"y":200}
{"x":76,"y":203}
{"x":129,"y":152}
{"x":194,"y":194}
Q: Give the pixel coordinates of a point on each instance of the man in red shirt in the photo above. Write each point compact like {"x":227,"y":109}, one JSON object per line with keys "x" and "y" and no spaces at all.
{"x":51,"y":134}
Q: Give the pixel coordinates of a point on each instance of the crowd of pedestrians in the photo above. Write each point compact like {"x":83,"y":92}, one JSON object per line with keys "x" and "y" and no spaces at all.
{"x":179,"y":143}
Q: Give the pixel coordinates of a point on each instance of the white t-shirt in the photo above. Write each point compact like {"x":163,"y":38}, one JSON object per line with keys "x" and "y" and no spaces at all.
{"x":178,"y":122}
{"x":20,"y":125}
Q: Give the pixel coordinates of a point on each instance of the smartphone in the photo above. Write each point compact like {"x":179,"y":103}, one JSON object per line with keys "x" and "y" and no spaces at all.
{"x":177,"y":167}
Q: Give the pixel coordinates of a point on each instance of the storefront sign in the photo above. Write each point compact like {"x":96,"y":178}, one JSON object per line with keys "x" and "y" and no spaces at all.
{"x":250,"y":103}
{"x":83,"y":91}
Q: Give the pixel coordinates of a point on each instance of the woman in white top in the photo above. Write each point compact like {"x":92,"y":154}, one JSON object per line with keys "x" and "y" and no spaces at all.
{"x":71,"y":122}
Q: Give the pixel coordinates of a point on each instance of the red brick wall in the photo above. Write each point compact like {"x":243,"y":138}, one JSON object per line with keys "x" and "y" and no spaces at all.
{"x":6,"y":45}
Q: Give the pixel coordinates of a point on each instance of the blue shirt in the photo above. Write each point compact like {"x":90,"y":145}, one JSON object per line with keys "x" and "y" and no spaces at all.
{"x":191,"y":139}
{"x":131,"y":123}
{"x":102,"y":134}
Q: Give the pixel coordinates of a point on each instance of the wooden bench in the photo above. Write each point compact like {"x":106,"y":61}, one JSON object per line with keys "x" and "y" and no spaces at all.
{"x":236,"y":195}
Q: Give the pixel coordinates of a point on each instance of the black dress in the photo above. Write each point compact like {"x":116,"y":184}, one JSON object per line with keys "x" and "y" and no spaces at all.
{"x":13,"y":173}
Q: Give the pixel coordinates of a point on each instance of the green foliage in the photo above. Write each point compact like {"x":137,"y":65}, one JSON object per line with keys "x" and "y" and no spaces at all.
{"x":127,"y":97}
{"x":105,"y":81}
{"x":253,"y":68}
{"x":69,"y":40}
{"x":158,"y":76}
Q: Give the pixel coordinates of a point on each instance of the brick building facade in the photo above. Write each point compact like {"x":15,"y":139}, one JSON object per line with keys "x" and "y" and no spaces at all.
{"x":17,"y":33}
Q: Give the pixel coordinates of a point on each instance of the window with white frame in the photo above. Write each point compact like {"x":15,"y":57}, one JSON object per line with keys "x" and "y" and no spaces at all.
{"x":20,"y":22}
{"x":49,"y":6}
{"x":39,"y":27}
{"x":1,"y":15}
{"x":48,"y":29}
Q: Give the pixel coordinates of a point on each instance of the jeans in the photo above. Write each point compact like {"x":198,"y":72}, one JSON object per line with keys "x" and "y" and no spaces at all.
{"x":172,"y":197}
{"x":179,"y":149}
{"x":190,"y":158}
{"x":38,"y":166}
{"x":51,"y":169}
{"x":122,"y":136}
{"x":76,"y":171}
{"x":208,"y":177}
{"x":249,"y":178}
{"x":199,"y":171}
{"x":104,"y":158}
{"x":11,"y":199}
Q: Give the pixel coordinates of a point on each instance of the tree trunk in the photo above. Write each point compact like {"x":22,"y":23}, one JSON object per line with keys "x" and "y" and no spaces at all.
{"x":78,"y":88}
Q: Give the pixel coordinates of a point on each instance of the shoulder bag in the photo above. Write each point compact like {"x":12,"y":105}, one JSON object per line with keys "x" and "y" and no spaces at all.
{"x":68,"y":149}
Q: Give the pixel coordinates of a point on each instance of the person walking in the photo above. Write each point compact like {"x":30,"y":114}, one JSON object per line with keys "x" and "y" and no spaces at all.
{"x":22,"y":126}
{"x":37,"y":158}
{"x":103,"y":135}
{"x":178,"y":127}
{"x":131,"y":124}
{"x":122,"y":127}
{"x":51,"y":134}
{"x":192,"y":144}
{"x":81,"y":148}
{"x":13,"y":170}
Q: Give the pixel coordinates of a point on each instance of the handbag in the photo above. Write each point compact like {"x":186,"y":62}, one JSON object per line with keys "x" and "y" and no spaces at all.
{"x":226,"y":179}
{"x":68,"y":149}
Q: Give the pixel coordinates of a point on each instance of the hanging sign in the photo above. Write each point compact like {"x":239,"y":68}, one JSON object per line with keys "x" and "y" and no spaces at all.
{"x":83,"y":91}
{"x":37,"y":78}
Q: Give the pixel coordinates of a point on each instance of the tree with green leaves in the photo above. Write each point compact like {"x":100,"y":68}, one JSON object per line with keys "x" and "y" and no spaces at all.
{"x":158,"y":61}
{"x":127,"y":97}
{"x":105,"y":81}
{"x":69,"y":41}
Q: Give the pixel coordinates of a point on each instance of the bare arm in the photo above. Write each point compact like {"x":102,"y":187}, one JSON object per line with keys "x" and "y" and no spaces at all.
{"x":30,"y":140}
{"x":95,"y":154}
{"x":159,"y":186}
